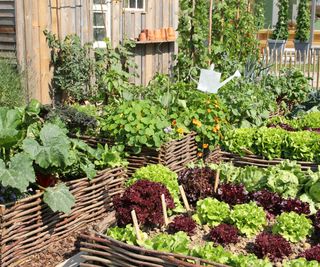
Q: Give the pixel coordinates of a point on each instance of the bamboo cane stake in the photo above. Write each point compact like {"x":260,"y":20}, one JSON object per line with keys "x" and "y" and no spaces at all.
{"x":210,"y":29}
{"x":184,"y":198}
{"x":135,"y":224}
{"x":164,"y":210}
{"x":216,"y":181}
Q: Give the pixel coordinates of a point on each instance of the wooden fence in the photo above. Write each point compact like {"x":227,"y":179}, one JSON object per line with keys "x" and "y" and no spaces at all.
{"x":308,"y":63}
{"x":7,"y":28}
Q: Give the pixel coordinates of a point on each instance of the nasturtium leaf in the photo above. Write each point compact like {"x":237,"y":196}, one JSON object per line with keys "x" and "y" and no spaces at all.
{"x":19,"y":173}
{"x":10,"y":120}
{"x":54,"y":150}
{"x":59,"y":198}
{"x":89,"y":169}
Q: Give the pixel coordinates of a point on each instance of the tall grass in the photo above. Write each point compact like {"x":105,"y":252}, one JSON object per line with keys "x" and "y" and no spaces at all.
{"x":12,"y":92}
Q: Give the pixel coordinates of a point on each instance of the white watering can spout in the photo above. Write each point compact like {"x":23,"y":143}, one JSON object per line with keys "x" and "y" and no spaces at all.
{"x":210,"y":80}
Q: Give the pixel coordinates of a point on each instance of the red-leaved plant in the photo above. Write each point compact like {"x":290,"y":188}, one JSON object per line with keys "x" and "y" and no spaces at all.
{"x":197,"y":183}
{"x":272,"y":246}
{"x":232,"y":194}
{"x":312,"y":253}
{"x":182,"y":223}
{"x":145,"y":198}
{"x":224,"y":234}
{"x":271,"y":202}
{"x":295,"y":205}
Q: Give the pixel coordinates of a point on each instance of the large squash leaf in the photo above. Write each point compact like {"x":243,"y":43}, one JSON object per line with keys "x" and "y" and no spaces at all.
{"x":19,"y":173}
{"x":53,"y":150}
{"x":10,"y":120}
{"x":59,"y":198}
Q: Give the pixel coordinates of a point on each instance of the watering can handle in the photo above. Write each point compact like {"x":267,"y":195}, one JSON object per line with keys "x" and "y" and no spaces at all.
{"x":195,"y":67}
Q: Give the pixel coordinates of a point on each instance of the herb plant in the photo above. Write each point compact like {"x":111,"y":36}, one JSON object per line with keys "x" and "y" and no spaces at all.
{"x":292,"y":226}
{"x":212,"y":212}
{"x":248,"y":218}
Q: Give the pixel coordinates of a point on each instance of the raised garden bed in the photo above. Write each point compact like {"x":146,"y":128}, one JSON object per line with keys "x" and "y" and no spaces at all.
{"x":218,"y":155}
{"x":175,"y":154}
{"x":28,"y":226}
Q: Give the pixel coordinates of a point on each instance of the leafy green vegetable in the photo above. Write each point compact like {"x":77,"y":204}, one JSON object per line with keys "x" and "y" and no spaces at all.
{"x":248,"y":218}
{"x":249,"y":260}
{"x":292,"y":226}
{"x":18,"y":173}
{"x":59,"y":198}
{"x":126,"y":234}
{"x":212,"y":212}
{"x":312,"y":187}
{"x":177,"y":243}
{"x":212,"y":253}
{"x":300,"y":262}
{"x":10,"y":122}
{"x":161,"y":174}
{"x":53,"y":150}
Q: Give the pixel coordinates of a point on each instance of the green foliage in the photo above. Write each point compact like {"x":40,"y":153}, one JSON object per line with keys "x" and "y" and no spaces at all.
{"x":18,"y":172}
{"x":292,"y":226}
{"x":281,"y":31}
{"x":302,"y":145}
{"x":12,"y":92}
{"x":248,"y":218}
{"x":303,"y":21}
{"x":160,"y":174}
{"x":212,"y":253}
{"x":248,"y":103}
{"x":300,"y":262}
{"x":177,"y":243}
{"x":138,"y":124}
{"x":72,"y":67}
{"x":126,"y":234}
{"x":212,"y":212}
{"x":59,"y":198}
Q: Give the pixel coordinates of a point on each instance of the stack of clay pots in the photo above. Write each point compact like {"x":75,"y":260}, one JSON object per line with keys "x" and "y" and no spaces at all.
{"x":163,"y":34}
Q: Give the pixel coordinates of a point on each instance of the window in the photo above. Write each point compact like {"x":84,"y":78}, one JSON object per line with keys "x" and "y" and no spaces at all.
{"x":101,"y":21}
{"x":135,"y":5}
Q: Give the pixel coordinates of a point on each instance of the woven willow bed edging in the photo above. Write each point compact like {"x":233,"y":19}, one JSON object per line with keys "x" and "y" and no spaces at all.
{"x":100,"y":250}
{"x":29,"y":226}
{"x":219,"y":155}
{"x":175,"y":154}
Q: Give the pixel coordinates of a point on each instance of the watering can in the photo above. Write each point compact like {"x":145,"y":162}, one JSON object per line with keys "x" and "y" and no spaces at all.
{"x":210,"y":80}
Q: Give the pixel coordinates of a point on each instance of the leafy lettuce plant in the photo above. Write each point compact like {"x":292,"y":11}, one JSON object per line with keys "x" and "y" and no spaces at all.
{"x":182,"y":223}
{"x":160,"y":174}
{"x":312,"y":253}
{"x":232,"y":194}
{"x":212,"y":253}
{"x":177,"y":243}
{"x":224,"y":234}
{"x":292,"y":226}
{"x":248,"y":218}
{"x":212,"y":212}
{"x":126,"y":234}
{"x":301,"y":262}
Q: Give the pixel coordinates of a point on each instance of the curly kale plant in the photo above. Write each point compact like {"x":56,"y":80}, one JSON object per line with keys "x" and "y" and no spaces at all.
{"x":292,"y":226}
{"x":248,"y":218}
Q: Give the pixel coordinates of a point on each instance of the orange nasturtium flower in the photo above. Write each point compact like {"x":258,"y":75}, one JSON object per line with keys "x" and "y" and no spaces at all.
{"x":209,"y":110}
{"x":180,"y":130}
{"x":216,"y":104}
{"x":205,"y":146}
{"x":197,"y":123}
{"x":174,"y":123}
{"x":200,"y":154}
{"x":216,"y":128}
{"x":216,"y":119}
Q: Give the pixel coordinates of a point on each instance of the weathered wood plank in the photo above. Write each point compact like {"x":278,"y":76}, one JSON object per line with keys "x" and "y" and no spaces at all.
{"x":7,"y":46}
{"x":8,"y":37}
{"x":6,"y":13}
{"x":7,"y":21}
{"x":7,"y":5}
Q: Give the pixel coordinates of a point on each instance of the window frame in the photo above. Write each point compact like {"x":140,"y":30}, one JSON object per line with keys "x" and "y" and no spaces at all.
{"x":104,"y":9}
{"x":130,"y":9}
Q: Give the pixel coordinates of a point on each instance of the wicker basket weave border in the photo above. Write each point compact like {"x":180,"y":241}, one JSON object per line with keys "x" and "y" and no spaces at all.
{"x":175,"y":154}
{"x":100,"y":250}
{"x":219,"y":155}
{"x":29,"y":226}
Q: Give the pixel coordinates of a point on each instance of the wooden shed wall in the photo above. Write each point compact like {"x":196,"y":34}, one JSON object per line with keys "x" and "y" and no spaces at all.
{"x":62,"y":17}
{"x":150,"y":58}
{"x":7,"y":27}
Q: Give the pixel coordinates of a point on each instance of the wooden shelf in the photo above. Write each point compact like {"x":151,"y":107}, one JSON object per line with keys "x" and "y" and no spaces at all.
{"x":155,"y":42}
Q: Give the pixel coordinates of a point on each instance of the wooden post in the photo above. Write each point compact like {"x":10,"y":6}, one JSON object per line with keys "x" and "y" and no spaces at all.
{"x":210,"y":29}
{"x":184,"y":198}
{"x":135,"y":224}
{"x":164,"y":210}
{"x":216,"y":181}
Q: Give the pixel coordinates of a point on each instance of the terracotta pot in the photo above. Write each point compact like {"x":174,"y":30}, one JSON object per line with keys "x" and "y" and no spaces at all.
{"x":163,"y":33}
{"x":151,"y":36}
{"x":142,"y":36}
{"x":157,"y":34}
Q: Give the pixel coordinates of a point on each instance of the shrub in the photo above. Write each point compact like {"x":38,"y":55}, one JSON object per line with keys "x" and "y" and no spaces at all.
{"x":303,"y":21}
{"x":292,"y":226}
{"x":248,"y":218}
{"x":182,"y":223}
{"x":145,"y":198}
{"x":224,"y":234}
{"x":271,"y":246}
